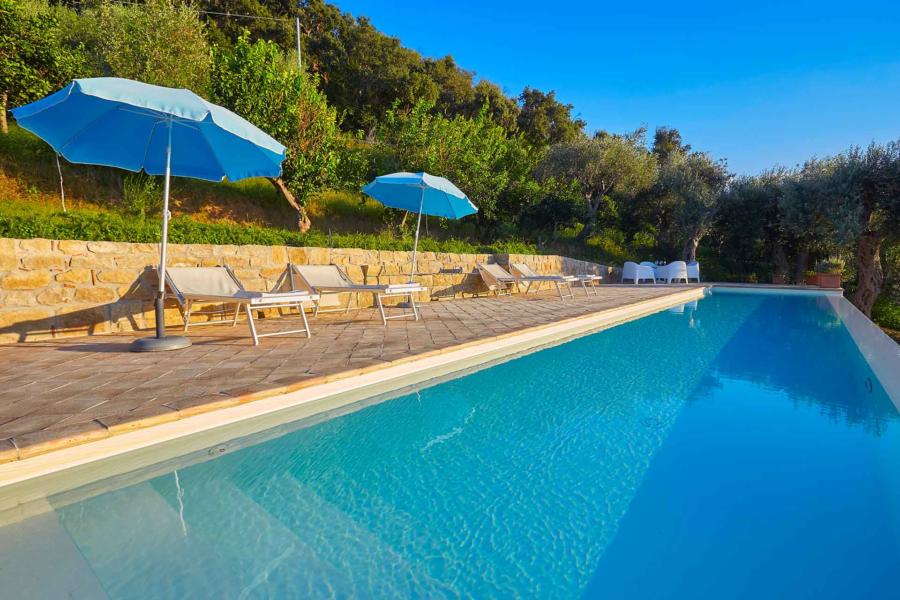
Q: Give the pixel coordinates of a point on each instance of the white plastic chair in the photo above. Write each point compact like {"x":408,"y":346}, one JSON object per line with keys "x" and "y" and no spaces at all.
{"x":674,"y":271}
{"x":693,"y":271}
{"x":637,"y":273}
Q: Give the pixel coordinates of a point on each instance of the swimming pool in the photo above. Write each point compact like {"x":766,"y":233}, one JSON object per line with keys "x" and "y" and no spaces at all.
{"x":741,"y":447}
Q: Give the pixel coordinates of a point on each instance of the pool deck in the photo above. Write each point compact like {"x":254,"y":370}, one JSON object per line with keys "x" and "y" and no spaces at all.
{"x":58,"y":394}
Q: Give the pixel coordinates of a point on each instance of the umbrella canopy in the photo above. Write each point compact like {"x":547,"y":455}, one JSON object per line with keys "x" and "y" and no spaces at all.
{"x":122,"y":123}
{"x":421,"y":193}
{"x":164,"y":131}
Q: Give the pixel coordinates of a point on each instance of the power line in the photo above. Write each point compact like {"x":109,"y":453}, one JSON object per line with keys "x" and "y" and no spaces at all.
{"x":201,"y":11}
{"x":296,"y":20}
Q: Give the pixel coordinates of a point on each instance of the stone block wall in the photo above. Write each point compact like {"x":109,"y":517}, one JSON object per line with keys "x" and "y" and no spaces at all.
{"x":55,"y":288}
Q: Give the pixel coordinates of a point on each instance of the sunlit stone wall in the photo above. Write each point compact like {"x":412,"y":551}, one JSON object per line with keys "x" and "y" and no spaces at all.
{"x":54,"y":288}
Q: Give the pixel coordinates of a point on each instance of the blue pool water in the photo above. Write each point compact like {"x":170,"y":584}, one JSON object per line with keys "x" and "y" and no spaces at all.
{"x":739,"y":449}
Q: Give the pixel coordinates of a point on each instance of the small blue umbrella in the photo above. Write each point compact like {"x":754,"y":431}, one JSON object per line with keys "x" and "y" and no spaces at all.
{"x":421,"y":193}
{"x":163,"y":131}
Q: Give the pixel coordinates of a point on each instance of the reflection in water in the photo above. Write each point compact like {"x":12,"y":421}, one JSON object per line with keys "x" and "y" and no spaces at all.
{"x":799,"y":346}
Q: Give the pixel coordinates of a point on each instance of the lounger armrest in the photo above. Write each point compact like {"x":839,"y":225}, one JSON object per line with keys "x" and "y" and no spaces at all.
{"x":260,"y":298}
{"x":405,"y":288}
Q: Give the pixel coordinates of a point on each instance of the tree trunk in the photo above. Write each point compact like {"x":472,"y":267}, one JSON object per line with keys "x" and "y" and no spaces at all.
{"x":4,"y":126}
{"x":780,"y":261}
{"x":303,"y":222}
{"x":591,"y":224}
{"x":689,"y":252}
{"x":801,"y":265}
{"x":870,"y":275}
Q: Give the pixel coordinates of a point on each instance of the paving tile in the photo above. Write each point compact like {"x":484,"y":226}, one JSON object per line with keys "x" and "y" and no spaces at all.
{"x":47,"y":440}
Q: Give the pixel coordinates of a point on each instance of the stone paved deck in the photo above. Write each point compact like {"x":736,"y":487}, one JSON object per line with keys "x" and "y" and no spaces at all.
{"x":56,"y":394}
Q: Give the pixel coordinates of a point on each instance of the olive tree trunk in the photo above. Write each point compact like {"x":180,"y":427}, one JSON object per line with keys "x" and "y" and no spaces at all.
{"x":593,"y":202}
{"x":801,"y":265}
{"x":689,"y":252}
{"x":780,"y":261}
{"x":303,"y":222}
{"x":4,"y":126}
{"x":870,"y":275}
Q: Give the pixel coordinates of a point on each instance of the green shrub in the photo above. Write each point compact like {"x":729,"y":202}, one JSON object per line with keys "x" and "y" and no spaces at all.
{"x":18,"y":221}
{"x":141,"y":195}
{"x":886,"y":314}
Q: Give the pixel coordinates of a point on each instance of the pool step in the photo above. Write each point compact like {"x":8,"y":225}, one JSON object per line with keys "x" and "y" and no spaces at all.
{"x":343,"y":542}
{"x":266,"y":558}
{"x":121,"y":532}
{"x":41,"y":540}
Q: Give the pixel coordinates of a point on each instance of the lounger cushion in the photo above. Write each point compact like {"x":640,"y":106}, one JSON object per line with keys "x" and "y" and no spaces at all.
{"x":203,"y":281}
{"x":497,"y":271}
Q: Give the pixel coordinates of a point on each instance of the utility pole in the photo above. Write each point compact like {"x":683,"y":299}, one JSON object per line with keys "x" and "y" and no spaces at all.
{"x":297,"y":25}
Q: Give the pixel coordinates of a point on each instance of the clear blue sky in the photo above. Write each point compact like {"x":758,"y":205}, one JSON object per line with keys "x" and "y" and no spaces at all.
{"x":759,"y":83}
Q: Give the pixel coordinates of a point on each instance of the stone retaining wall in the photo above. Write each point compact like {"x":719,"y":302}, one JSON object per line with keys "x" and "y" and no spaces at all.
{"x":54,"y":288}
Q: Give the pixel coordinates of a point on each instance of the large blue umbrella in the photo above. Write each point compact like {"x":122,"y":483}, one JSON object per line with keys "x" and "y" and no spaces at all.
{"x":421,"y":193}
{"x":164,"y":131}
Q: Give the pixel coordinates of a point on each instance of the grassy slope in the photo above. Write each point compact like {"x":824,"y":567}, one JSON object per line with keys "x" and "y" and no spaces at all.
{"x":247,"y":212}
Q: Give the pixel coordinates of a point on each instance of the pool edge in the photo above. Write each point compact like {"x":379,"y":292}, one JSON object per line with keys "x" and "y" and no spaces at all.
{"x":27,"y":482}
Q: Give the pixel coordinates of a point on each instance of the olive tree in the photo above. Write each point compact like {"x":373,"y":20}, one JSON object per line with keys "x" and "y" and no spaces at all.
{"x":160,"y":42}
{"x":870,"y":188}
{"x":603,"y":166}
{"x":257,"y":82}
{"x":695,"y":182}
{"x":808,"y":205}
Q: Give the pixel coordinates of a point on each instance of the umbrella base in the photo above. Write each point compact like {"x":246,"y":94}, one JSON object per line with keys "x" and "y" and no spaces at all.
{"x":160,"y":344}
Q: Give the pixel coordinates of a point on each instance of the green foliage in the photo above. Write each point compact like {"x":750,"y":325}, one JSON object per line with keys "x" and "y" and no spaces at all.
{"x":608,"y":168}
{"x":886,"y":314}
{"x":545,"y":121}
{"x":474,"y":153}
{"x":835,"y":264}
{"x":809,"y":202}
{"x":257,"y":82}
{"x":159,"y":41}
{"x":694,"y":183}
{"x":559,"y":205}
{"x":141,"y":194}
{"x":24,"y":222}
{"x":35,"y":60}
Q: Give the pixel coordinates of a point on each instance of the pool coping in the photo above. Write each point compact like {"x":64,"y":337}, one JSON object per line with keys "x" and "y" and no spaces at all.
{"x":27,"y":482}
{"x":877,"y":348}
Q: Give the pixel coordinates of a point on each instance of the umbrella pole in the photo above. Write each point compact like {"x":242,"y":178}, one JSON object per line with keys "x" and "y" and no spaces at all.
{"x":161,"y":293}
{"x":161,"y":342}
{"x":412,"y":271}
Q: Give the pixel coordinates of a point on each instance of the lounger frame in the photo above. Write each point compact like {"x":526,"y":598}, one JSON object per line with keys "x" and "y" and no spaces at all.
{"x":524,"y":274}
{"x":379,"y":293}
{"x":249,"y":303}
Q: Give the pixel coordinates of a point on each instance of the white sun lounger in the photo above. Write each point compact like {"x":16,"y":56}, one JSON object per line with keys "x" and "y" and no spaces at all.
{"x":586,"y":280}
{"x":496,"y":278}
{"x":331,"y":279}
{"x":220,"y":285}
{"x":525,"y":274}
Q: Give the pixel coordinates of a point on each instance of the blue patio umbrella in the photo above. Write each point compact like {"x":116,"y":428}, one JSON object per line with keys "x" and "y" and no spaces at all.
{"x":421,"y":193}
{"x":163,"y":131}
